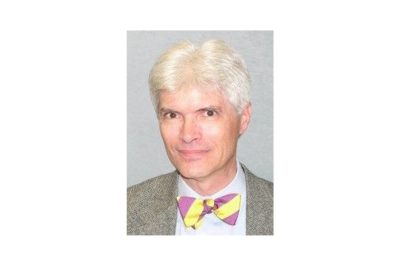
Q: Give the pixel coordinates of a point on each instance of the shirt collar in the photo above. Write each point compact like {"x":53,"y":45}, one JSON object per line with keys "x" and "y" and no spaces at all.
{"x":237,"y":185}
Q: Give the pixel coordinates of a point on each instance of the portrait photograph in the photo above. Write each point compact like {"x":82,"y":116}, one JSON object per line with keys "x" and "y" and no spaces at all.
{"x":200,"y":109}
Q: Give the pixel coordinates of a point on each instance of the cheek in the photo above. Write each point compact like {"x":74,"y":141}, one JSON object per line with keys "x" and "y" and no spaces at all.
{"x":211,"y":132}
{"x":168,"y":133}
{"x":220,"y":133}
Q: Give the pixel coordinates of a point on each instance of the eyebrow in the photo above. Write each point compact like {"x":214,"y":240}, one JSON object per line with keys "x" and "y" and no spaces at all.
{"x":166,"y":110}
{"x":162,"y":110}
{"x":206,"y":108}
{"x":211,"y":107}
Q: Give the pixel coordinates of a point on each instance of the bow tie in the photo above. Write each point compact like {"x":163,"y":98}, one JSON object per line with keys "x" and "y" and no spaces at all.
{"x":193,"y":210}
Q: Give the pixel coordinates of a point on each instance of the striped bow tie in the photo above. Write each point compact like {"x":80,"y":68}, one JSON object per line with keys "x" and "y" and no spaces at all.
{"x":193,"y":210}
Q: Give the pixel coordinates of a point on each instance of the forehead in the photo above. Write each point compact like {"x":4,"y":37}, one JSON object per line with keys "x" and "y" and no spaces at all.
{"x":192,"y":96}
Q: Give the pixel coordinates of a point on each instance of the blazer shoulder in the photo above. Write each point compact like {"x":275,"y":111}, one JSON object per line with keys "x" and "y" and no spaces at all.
{"x":259,"y":204}
{"x":262,"y":185}
{"x":154,"y":186}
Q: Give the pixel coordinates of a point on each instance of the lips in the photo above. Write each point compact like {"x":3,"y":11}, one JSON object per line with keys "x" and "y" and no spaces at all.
{"x":190,"y":154}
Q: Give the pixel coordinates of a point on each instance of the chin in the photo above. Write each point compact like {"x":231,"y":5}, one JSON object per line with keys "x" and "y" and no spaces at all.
{"x":192,"y":171}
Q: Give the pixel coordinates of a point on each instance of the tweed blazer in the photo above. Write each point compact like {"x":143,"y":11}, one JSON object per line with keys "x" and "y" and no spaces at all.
{"x":152,"y":208}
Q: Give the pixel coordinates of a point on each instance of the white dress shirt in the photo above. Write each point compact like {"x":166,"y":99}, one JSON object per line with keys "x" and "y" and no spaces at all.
{"x":212,"y":225}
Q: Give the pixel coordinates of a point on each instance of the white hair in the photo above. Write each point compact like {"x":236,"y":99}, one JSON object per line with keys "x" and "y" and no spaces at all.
{"x":212,"y":63}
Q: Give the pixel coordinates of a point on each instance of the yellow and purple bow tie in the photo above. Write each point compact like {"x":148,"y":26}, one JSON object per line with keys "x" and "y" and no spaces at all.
{"x":193,"y":210}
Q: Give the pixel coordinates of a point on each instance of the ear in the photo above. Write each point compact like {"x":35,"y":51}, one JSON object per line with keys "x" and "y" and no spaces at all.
{"x":245,"y":118}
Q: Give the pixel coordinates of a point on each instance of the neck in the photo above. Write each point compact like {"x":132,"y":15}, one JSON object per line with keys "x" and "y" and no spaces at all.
{"x":209,"y":185}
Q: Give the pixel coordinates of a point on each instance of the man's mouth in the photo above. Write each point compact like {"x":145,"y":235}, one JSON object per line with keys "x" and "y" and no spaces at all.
{"x":192,"y":154}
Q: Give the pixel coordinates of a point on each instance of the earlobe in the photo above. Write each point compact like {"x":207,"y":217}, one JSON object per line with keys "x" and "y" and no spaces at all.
{"x":245,"y":118}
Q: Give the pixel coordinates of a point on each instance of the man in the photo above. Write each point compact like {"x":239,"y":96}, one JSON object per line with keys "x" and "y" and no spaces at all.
{"x":201,"y":97}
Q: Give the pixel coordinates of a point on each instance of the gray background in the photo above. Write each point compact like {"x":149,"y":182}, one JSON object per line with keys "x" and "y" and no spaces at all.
{"x":146,"y":154}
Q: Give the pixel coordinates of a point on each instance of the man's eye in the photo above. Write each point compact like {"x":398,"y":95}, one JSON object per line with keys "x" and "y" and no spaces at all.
{"x":170,"y":115}
{"x":210,"y":113}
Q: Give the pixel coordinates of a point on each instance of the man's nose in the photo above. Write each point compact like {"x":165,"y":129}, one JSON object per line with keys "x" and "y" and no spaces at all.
{"x":190,"y":130}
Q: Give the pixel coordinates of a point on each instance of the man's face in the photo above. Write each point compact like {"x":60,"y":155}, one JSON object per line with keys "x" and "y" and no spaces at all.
{"x":200,"y":129}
